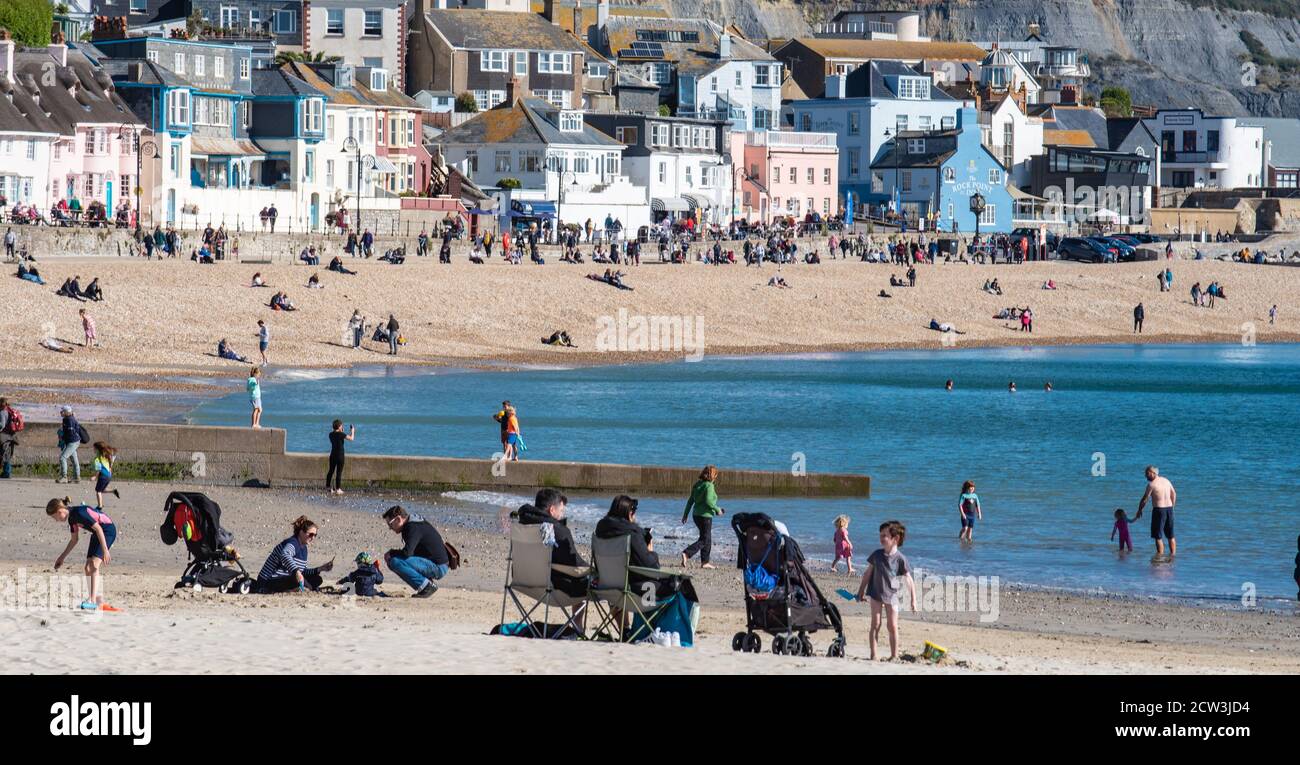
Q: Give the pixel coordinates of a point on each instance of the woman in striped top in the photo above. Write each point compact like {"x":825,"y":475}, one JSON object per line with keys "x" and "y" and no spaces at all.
{"x":286,"y":567}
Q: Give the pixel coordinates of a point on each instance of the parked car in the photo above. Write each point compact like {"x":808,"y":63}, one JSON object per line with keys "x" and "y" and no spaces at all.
{"x":1084,"y":249}
{"x":1032,"y":234}
{"x":1124,"y":252}
{"x":1147,"y":238}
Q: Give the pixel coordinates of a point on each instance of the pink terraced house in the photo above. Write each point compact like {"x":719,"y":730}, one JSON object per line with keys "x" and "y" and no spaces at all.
{"x":785,"y":174}
{"x":91,"y":136}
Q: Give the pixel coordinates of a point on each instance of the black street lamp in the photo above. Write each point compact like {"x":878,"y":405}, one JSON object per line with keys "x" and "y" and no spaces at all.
{"x":351,"y":144}
{"x":131,"y":137}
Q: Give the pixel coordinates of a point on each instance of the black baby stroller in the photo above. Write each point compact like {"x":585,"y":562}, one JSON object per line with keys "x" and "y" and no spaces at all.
{"x":197,"y":520}
{"x":781,"y":597}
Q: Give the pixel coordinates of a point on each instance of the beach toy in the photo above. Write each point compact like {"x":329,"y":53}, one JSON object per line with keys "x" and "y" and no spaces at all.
{"x":843,"y":593}
{"x":933,"y":653}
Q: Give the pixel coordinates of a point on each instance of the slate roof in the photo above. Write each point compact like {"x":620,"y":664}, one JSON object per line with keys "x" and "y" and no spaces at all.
{"x":526,"y":121}
{"x":278,"y":82}
{"x":871,"y":83}
{"x":1079,"y":118}
{"x":356,"y":95}
{"x":939,"y":148}
{"x":28,"y":106}
{"x":891,"y":49}
{"x":490,"y":30}
{"x":698,"y":57}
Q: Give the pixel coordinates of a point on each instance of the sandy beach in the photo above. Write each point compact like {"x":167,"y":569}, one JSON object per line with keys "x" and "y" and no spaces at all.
{"x":1036,"y":632}
{"x":161,"y":320}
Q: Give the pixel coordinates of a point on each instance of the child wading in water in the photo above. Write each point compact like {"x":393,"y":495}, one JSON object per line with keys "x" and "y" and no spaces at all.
{"x":1121,"y":527}
{"x":843,"y":547}
{"x":103,"y":466}
{"x":968,"y":506}
{"x":102,"y":533}
{"x":880,"y":583}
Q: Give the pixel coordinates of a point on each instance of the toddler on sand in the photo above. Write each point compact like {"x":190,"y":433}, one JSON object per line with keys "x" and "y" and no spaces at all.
{"x":843,"y":547}
{"x":880,"y":583}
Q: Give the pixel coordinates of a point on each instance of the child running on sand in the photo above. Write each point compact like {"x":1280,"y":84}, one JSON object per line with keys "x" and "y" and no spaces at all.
{"x":103,"y":466}
{"x":843,"y":547}
{"x":1121,"y":527}
{"x":880,"y":583}
{"x":968,"y":506}
{"x":102,"y":533}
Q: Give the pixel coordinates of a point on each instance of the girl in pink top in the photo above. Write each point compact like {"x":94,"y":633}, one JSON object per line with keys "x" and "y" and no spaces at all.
{"x":88,"y":326}
{"x":843,"y":547}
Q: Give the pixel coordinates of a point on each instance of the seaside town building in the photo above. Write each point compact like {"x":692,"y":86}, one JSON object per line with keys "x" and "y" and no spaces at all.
{"x":812,"y":60}
{"x":65,"y":132}
{"x":683,"y":162}
{"x":546,"y":163}
{"x":481,"y":51}
{"x":786,"y":174}
{"x":1208,"y":152}
{"x":702,"y":69}
{"x":865,"y":109}
{"x":932,"y":176}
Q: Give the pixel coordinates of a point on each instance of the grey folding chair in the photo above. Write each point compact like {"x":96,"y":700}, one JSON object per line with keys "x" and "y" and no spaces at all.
{"x":528,"y":575}
{"x":613,"y":593}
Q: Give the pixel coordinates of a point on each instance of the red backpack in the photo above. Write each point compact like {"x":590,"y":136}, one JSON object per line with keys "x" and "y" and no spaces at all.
{"x":16,"y":423}
{"x":186,"y":523}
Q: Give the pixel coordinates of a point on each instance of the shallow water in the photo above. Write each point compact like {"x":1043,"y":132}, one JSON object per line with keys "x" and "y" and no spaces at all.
{"x":1050,"y":468}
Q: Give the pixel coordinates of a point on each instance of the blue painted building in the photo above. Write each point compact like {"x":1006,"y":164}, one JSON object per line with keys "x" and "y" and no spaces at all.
{"x":930,"y":176}
{"x":220,"y":124}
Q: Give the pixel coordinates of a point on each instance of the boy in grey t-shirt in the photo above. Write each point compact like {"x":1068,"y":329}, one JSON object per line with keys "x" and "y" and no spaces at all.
{"x":880,"y":583}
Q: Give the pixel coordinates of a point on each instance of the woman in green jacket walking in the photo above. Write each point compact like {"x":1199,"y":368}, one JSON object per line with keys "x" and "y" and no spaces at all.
{"x":704,"y":501}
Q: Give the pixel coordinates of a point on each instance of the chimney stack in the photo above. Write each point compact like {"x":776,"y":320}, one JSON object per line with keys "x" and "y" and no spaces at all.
{"x":578,"y":31}
{"x":6,"y":56}
{"x":548,"y":11}
{"x":602,"y":14}
{"x":513,"y":91}
{"x":724,"y":45}
{"x":58,"y":50}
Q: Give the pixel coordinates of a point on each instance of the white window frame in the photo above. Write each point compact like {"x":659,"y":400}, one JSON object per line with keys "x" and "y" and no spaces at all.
{"x":554,"y":62}
{"x":219,"y":67}
{"x":365,"y":22}
{"x":521,"y":62}
{"x":494,"y":61}
{"x":178,"y":63}
{"x":329,"y":22}
{"x":200,"y":66}
{"x":313,"y":115}
{"x":245,"y":68}
{"x":178,"y":107}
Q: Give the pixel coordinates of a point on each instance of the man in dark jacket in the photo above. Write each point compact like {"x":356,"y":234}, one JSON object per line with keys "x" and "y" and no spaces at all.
{"x":423,"y":557}
{"x":548,"y":509}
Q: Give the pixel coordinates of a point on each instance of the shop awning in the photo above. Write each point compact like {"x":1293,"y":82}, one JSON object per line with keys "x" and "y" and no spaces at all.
{"x":698,"y":201}
{"x":1018,"y":194}
{"x":669,"y":204}
{"x":212,"y":146}
{"x":382,"y":165}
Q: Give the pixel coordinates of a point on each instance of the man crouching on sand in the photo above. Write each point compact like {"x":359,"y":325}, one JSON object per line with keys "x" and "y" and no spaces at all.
{"x":424,"y":556}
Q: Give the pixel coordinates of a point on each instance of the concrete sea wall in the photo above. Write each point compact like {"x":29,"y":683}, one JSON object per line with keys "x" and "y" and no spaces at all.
{"x":244,"y":456}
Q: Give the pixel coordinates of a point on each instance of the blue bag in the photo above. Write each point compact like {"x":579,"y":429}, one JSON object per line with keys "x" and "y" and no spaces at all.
{"x":759,"y":578}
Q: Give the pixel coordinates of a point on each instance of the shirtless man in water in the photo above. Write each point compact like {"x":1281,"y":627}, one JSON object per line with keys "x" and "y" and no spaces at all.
{"x":1162,"y":495}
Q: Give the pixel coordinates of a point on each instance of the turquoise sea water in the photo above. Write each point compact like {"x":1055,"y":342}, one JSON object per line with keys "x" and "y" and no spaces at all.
{"x":1220,"y":421}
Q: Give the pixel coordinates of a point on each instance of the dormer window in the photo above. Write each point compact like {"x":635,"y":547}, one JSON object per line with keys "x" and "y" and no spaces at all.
{"x":916,"y":146}
{"x":379,"y":79}
{"x":570,"y":122}
{"x":914,"y":88}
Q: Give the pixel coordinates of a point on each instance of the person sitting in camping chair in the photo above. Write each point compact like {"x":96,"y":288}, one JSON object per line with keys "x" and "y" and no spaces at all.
{"x":544,"y":567}
{"x":628,"y":577}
